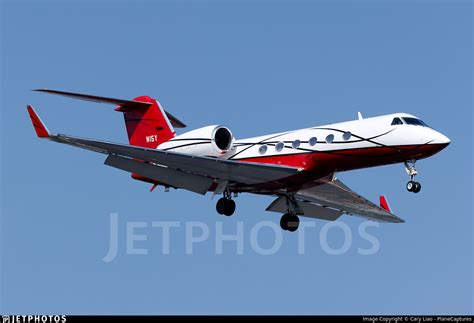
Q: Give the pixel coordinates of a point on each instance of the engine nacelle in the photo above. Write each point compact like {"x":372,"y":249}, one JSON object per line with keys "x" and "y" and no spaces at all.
{"x":213,"y":141}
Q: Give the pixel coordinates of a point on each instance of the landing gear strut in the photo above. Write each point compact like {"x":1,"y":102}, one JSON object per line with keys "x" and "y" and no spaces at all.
{"x":290,"y":221}
{"x":226,"y":205}
{"x":412,"y":185}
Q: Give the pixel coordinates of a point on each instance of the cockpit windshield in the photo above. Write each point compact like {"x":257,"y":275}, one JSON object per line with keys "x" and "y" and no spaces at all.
{"x":408,"y":120}
{"x":414,"y":121}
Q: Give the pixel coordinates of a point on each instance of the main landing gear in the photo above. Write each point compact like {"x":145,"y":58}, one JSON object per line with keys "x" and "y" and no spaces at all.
{"x":412,"y":185}
{"x":226,"y":205}
{"x":290,"y":221}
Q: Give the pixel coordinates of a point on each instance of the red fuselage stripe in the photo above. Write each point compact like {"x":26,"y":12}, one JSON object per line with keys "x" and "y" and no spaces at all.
{"x":349,"y":159}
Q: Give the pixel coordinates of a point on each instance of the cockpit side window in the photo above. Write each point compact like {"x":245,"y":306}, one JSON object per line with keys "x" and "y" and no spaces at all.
{"x":415,"y":122}
{"x":396,"y":121}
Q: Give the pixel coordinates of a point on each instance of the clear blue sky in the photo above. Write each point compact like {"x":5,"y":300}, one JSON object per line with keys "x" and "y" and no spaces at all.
{"x":256,"y":67}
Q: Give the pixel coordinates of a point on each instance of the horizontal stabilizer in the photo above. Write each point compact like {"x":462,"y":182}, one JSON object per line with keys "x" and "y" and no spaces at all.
{"x":98,"y":99}
{"x":130,"y":104}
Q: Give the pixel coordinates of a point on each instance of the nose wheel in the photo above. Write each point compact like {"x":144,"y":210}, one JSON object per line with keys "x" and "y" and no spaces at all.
{"x":412,"y":185}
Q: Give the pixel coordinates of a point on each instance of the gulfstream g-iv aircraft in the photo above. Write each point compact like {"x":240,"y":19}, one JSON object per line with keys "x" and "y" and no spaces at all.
{"x":297,"y":167}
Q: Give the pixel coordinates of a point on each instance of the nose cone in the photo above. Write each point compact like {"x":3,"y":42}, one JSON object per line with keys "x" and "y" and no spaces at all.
{"x":440,"y":139}
{"x":438,"y":143}
{"x":429,"y":141}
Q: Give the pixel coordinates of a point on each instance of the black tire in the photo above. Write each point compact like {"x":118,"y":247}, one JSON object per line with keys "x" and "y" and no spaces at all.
{"x":221,"y":205}
{"x":229,"y":207}
{"x":417,"y":187}
{"x":410,"y":186}
{"x":293,"y":223}
{"x":284,"y":221}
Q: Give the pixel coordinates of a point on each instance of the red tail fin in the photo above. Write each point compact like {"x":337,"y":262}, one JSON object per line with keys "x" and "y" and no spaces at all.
{"x":147,"y":126}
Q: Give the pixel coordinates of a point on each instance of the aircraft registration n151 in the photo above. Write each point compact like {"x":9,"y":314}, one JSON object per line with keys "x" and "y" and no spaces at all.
{"x":297,"y":167}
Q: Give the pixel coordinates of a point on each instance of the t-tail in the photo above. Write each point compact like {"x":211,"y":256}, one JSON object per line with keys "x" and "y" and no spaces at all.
{"x":147,"y":123}
{"x":147,"y":126}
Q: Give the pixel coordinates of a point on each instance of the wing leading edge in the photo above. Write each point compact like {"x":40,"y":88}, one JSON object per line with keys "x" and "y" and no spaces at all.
{"x":165,"y":165}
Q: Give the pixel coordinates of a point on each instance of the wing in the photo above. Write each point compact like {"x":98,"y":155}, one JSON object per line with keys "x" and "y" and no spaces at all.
{"x":330,"y":200}
{"x":190,"y":172}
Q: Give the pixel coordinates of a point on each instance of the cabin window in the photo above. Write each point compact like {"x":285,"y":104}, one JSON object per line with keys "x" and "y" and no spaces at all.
{"x":279,"y":146}
{"x":263,"y":149}
{"x":396,"y":121}
{"x":347,"y":135}
{"x":329,"y":139}
{"x":313,"y":141}
{"x":296,"y":144}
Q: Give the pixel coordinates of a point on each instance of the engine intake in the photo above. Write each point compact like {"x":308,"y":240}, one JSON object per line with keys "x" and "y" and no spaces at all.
{"x":222,"y":138}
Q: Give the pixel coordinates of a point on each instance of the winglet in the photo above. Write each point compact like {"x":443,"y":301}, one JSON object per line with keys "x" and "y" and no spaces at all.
{"x":384,"y":204}
{"x":40,"y":128}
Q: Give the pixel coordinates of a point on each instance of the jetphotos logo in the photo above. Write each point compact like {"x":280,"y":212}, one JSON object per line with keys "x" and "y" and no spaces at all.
{"x":264,"y":238}
{"x":33,"y":318}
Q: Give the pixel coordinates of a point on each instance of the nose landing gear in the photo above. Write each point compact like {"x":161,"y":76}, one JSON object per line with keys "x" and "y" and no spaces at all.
{"x":412,"y":185}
